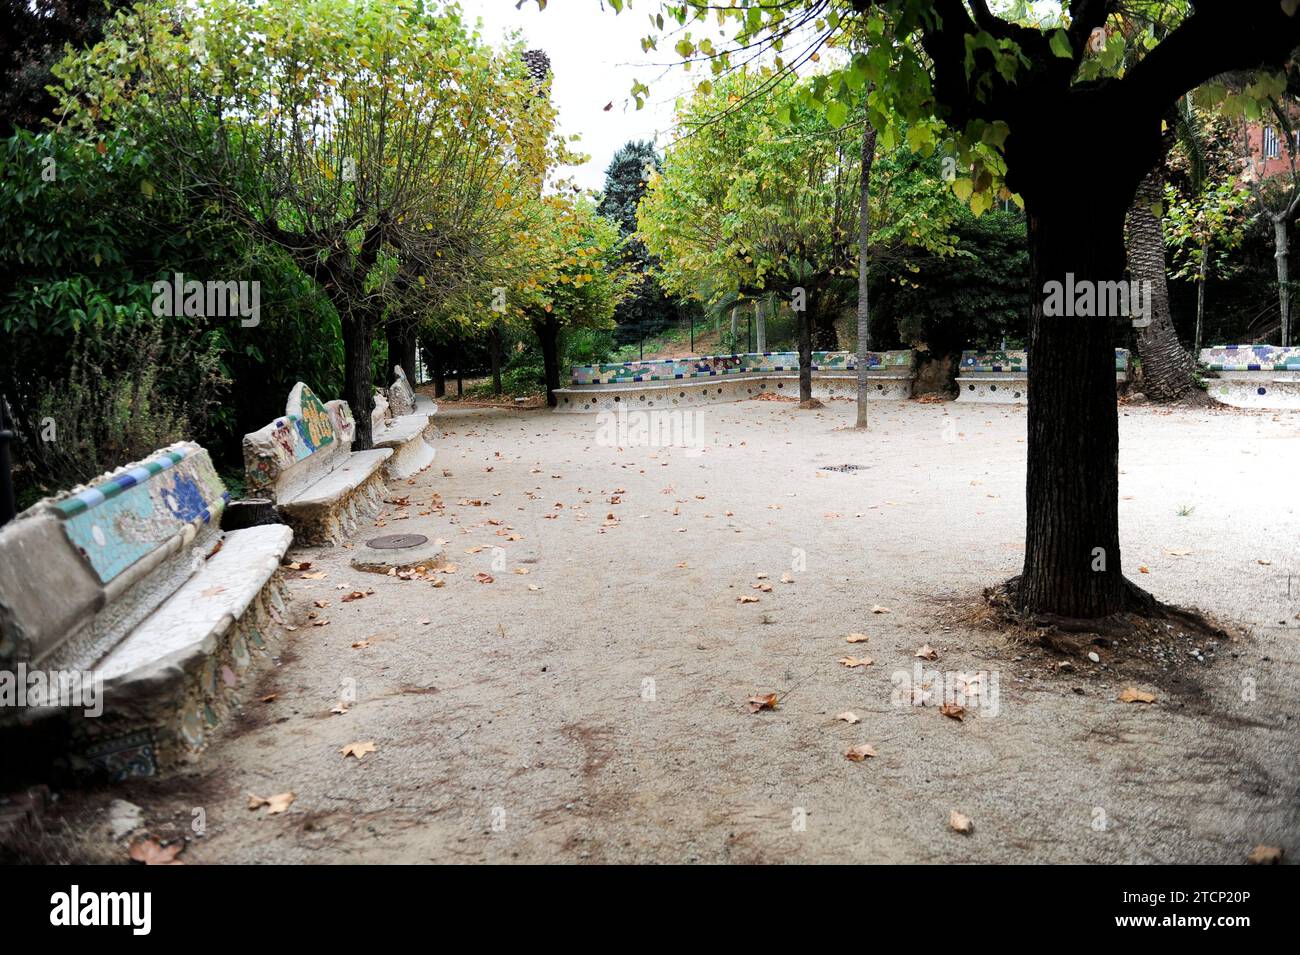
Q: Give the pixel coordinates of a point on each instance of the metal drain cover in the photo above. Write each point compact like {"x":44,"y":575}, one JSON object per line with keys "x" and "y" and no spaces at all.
{"x":397,"y":541}
{"x":844,"y":468}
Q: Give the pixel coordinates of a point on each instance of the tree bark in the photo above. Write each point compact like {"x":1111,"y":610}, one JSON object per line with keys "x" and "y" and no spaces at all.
{"x":438,"y":368}
{"x":1167,"y":369}
{"x":548,"y":335}
{"x":805,"y":318}
{"x":494,"y":348}
{"x":1072,"y":557}
{"x":864,"y":235}
{"x":1282,"y":253}
{"x":401,"y":347}
{"x":358,"y":383}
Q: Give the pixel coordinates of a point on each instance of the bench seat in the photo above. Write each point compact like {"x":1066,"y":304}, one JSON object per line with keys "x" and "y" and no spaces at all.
{"x":131,"y":580}
{"x":304,"y":463}
{"x":686,"y":382}
{"x":1002,"y":377}
{"x":406,"y":436}
{"x":1253,"y":376}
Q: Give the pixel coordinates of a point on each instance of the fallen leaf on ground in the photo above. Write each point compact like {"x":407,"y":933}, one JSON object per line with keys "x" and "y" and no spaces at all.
{"x":960,"y":822}
{"x":356,"y":595}
{"x":340,"y":709}
{"x":298,"y":564}
{"x":484,"y":578}
{"x":927,"y":652}
{"x":361,"y":645}
{"x":848,"y":716}
{"x":1131,"y":694}
{"x":876,"y":608}
{"x":1178,"y":551}
{"x":358,"y":750}
{"x":953,"y":711}
{"x":787,"y":579}
{"x":1265,"y":855}
{"x":1144,"y":569}
{"x":318,"y":575}
{"x":275,"y":804}
{"x":151,"y":852}
{"x":856,"y":638}
{"x":746,"y":599}
{"x":765,"y":588}
{"x":852,"y":662}
{"x":270,"y":698}
{"x":765,"y":702}
{"x":1263,"y":562}
{"x":860,"y":752}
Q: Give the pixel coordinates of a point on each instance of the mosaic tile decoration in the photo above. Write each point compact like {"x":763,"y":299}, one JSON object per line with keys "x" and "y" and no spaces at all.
{"x":134,"y":511}
{"x":306,"y":427}
{"x":1251,"y":358}
{"x":1016,"y":362}
{"x":672,"y":369}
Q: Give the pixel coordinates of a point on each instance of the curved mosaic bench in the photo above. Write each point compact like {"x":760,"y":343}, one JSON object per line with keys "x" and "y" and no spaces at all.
{"x":1254,"y":376}
{"x":131,"y":580}
{"x":403,"y":422}
{"x":690,"y":381}
{"x":1002,"y":377}
{"x":304,"y":463}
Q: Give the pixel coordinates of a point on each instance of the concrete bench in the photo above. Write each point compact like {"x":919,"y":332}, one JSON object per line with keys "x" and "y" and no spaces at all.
{"x":1254,"y":376}
{"x":693,"y":381}
{"x":1002,"y":377}
{"x":304,"y":464}
{"x":130,"y":581}
{"x":407,"y":434}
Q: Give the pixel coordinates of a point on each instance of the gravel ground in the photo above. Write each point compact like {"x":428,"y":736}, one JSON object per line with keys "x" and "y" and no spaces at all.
{"x":594,"y":708}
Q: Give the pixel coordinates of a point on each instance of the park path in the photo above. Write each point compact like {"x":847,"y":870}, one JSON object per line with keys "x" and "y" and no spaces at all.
{"x":589,"y":702}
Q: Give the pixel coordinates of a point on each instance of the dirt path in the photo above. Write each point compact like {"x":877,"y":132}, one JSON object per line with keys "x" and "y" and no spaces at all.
{"x":602,"y":716}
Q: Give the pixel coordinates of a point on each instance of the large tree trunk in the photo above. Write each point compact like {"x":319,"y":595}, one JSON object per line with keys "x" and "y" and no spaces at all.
{"x":1072,"y":558}
{"x":864,"y":235}
{"x":494,"y":347}
{"x":1167,"y":369}
{"x":401,"y":346}
{"x":358,"y":384}
{"x":548,"y":335}
{"x":438,"y":368}
{"x":805,"y":318}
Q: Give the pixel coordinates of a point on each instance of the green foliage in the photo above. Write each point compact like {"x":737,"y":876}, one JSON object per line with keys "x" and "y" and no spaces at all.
{"x":115,"y":406}
{"x":975,"y":298}
{"x":647,"y":309}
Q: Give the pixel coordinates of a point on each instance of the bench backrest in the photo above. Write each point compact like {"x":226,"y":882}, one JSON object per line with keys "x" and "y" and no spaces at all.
{"x":401,"y":396}
{"x":707,"y":366}
{"x":294,"y":451}
{"x":1016,"y":362}
{"x":80,"y":570}
{"x":1251,"y":358}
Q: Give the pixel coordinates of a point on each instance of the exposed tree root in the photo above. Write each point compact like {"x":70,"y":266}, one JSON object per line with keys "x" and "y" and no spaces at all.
{"x":1140,"y":609}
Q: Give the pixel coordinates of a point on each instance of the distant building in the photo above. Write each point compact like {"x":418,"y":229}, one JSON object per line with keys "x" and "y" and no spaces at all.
{"x":1269,"y":151}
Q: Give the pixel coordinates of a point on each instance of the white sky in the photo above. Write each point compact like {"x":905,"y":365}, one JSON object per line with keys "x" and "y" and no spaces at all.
{"x":595,"y":56}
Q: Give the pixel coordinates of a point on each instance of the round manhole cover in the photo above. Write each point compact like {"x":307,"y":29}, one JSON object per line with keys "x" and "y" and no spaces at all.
{"x":397,"y":541}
